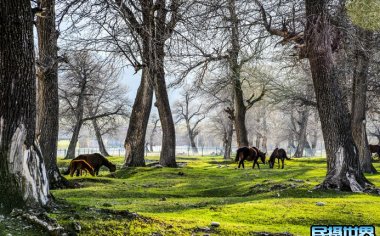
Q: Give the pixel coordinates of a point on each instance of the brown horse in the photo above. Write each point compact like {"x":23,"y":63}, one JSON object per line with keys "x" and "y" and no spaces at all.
{"x":79,"y":166}
{"x":374,"y":149}
{"x":279,"y":154}
{"x":96,"y":160}
{"x":249,"y":154}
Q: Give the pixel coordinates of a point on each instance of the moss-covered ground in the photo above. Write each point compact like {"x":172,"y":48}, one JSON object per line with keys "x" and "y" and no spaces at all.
{"x":185,"y":200}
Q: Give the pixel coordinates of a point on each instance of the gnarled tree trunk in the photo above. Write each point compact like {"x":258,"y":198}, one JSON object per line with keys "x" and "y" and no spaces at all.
{"x":138,"y":123}
{"x":359,"y":99}
{"x":47,"y":90}
{"x":22,"y":171}
{"x":343,"y":167}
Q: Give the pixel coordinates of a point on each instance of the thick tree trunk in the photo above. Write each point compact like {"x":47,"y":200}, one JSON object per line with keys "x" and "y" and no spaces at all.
{"x":138,"y":123}
{"x":359,"y":99}
{"x":227,"y":140}
{"x":47,"y":90}
{"x":239,"y":106}
{"x":167,"y":156}
{"x":99,"y":138}
{"x":22,"y":171}
{"x":343,"y":167}
{"x":301,"y":139}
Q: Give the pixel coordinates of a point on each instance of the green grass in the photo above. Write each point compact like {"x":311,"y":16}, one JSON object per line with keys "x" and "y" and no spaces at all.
{"x":243,"y":201}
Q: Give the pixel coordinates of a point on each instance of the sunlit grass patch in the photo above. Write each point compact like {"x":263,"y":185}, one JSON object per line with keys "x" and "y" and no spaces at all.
{"x":185,"y":200}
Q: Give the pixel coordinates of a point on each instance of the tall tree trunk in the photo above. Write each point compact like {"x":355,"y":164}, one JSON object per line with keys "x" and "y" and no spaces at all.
{"x":74,"y":140}
{"x":22,"y":170}
{"x":135,"y":141}
{"x":167,"y":156}
{"x":359,"y":99}
{"x":240,"y":108}
{"x":99,"y":138}
{"x":343,"y":167}
{"x":227,"y":141}
{"x":301,"y":139}
{"x":48,"y":104}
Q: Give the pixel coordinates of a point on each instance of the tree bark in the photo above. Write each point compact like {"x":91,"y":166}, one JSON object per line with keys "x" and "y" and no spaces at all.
{"x":47,"y":90}
{"x":135,"y":141}
{"x":343,"y":167}
{"x":160,"y":30}
{"x":167,"y":155}
{"x":359,"y":98}
{"x":240,"y":108}
{"x":22,"y":170}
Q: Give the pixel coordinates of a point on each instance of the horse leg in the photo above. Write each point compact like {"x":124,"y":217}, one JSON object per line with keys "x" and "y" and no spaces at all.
{"x":278,"y":163}
{"x":282,"y":160}
{"x":241,"y":162}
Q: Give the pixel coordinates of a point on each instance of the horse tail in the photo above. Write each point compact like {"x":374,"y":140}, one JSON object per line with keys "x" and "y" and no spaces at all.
{"x":237,"y":155}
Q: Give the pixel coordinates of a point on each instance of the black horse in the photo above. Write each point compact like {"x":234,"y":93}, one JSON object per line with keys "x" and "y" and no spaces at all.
{"x":249,"y":154}
{"x":279,"y":154}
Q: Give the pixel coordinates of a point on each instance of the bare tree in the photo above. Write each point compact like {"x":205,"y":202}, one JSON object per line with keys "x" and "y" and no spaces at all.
{"x":90,"y":82}
{"x":191,"y":114}
{"x":223,"y":39}
{"x":22,"y":170}
{"x":139,"y":31}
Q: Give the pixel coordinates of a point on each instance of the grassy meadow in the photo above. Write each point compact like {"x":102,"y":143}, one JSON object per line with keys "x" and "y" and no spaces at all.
{"x":185,"y":200}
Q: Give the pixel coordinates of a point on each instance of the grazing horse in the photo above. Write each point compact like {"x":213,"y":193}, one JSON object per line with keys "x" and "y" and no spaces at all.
{"x":249,"y":154}
{"x":374,"y":149}
{"x":279,"y":154}
{"x":79,"y":166}
{"x":96,"y":160}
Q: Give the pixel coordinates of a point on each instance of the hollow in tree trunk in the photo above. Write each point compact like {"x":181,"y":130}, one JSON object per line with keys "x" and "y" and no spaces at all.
{"x":22,"y":170}
{"x":343,"y":167}
{"x":138,"y":123}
